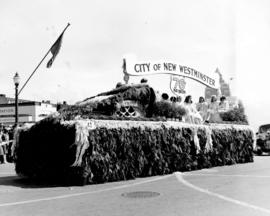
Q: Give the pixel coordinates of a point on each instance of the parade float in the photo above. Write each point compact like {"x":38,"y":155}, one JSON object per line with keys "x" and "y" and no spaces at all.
{"x":126,"y":133}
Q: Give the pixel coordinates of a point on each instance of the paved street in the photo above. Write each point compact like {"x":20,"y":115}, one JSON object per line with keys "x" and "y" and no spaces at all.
{"x":242,"y":189}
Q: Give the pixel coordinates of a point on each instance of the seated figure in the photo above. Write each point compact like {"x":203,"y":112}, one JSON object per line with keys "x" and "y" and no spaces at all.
{"x":192,"y":115}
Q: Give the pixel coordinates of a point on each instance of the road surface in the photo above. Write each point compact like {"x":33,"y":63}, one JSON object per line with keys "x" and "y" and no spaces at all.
{"x":242,"y":189}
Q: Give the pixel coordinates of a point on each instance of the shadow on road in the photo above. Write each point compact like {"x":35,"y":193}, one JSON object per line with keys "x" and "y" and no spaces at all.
{"x":22,"y":182}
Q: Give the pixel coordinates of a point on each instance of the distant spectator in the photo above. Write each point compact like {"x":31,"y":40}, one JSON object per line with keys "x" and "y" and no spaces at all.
{"x":61,"y":105}
{"x":6,"y":138}
{"x":3,"y":148}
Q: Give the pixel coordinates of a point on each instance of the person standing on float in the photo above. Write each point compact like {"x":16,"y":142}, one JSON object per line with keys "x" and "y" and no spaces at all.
{"x":202,"y":107}
{"x":213,"y":109}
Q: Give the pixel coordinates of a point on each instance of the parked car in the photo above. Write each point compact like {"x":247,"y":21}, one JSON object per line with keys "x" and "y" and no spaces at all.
{"x":263,"y":139}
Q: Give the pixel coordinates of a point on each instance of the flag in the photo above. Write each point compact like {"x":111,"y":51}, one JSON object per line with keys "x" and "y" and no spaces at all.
{"x":55,"y":50}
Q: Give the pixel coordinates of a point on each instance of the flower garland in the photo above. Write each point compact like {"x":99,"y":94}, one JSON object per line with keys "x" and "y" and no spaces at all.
{"x":83,"y":126}
{"x":81,"y":139}
{"x":209,"y":141}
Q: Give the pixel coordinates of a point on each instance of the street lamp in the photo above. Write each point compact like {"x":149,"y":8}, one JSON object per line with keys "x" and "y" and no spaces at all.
{"x":16,"y":80}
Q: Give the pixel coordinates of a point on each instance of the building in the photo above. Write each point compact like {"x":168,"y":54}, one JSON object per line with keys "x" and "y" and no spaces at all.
{"x":28,"y":111}
{"x":224,"y":90}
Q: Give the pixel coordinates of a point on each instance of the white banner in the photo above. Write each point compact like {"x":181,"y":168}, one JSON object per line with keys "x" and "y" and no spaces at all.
{"x":150,"y":68}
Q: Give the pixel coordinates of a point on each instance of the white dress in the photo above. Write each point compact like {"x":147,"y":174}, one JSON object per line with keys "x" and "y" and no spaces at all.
{"x":202,"y":109}
{"x":192,"y":115}
{"x":213,"y":115}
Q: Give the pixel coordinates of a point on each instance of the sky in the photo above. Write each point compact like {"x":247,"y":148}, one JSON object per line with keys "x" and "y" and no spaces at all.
{"x":232,"y":35}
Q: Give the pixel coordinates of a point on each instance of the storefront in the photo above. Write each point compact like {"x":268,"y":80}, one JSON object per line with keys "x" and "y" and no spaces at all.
{"x":28,"y":111}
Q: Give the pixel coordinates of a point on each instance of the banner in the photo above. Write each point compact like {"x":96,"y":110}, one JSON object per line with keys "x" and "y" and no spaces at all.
{"x":149,"y":68}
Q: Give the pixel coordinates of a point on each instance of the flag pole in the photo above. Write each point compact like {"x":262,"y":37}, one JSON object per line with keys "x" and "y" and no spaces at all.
{"x":41,"y":61}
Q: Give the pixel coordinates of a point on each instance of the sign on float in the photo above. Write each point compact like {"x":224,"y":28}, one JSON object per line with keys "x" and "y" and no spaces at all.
{"x":150,"y":68}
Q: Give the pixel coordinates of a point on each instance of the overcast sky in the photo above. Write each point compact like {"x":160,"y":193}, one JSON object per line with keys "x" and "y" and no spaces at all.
{"x":203,"y":34}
